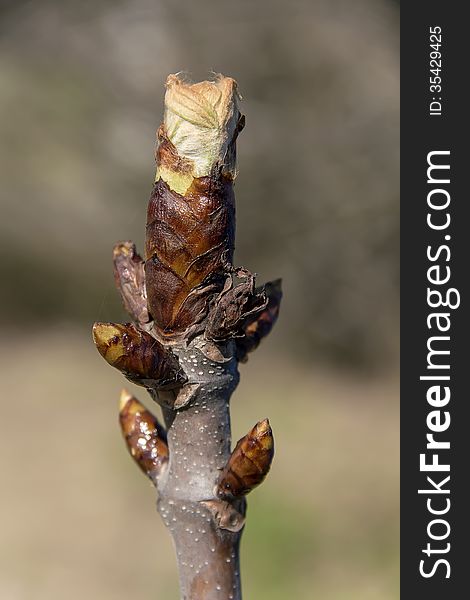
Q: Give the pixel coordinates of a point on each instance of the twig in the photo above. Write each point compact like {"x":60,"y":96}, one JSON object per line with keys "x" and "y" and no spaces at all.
{"x":193,"y":323}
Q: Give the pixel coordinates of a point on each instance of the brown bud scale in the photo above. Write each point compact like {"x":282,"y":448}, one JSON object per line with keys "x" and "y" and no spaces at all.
{"x":235,"y":306}
{"x":145,"y":438}
{"x":138,"y":355}
{"x":260,"y":326}
{"x":249,"y":463}
{"x":189,"y":243}
{"x":129,"y":277}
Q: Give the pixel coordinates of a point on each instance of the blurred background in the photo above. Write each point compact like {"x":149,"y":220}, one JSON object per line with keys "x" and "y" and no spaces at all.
{"x":82,"y":86}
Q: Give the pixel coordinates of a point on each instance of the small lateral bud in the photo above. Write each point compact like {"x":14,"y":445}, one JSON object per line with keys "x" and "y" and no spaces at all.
{"x":249,"y":463}
{"x":129,"y":276}
{"x":139,"y":356}
{"x":260,"y":326}
{"x":145,"y":438}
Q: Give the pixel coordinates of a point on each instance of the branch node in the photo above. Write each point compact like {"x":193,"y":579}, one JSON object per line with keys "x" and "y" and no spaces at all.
{"x":225,"y":515}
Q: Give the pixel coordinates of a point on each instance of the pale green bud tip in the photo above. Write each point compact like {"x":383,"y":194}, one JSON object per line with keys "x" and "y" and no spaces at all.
{"x":201,"y":120}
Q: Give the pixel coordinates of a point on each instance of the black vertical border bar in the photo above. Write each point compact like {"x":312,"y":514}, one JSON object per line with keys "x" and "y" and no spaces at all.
{"x":420,"y":134}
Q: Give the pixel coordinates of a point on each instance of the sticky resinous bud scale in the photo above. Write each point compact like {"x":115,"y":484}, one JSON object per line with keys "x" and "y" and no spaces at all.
{"x":191,"y":215}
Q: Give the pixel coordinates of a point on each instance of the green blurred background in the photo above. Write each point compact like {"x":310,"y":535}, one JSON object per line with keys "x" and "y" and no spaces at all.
{"x":81,"y":90}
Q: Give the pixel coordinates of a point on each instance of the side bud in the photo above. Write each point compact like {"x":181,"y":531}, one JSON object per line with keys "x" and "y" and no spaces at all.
{"x":139,"y":356}
{"x":260,"y":326}
{"x":129,"y":276}
{"x":249,"y":463}
{"x":144,"y":436}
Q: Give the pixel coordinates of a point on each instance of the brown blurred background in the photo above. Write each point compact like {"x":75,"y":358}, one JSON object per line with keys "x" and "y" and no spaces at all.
{"x":81,"y":90}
